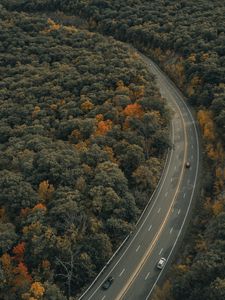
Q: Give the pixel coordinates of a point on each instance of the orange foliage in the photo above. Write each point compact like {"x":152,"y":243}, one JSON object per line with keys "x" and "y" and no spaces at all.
{"x":103,"y":127}
{"x":22,"y":274}
{"x":87,"y":105}
{"x":45,"y":264}
{"x":39,"y":206}
{"x":134,"y":110}
{"x":99,"y":117}
{"x":19,"y":250}
{"x":37,"y":289}
{"x":217,"y":207}
{"x":45,"y":190}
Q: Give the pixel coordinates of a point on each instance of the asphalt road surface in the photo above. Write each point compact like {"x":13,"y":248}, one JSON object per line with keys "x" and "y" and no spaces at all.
{"x":162,"y":223}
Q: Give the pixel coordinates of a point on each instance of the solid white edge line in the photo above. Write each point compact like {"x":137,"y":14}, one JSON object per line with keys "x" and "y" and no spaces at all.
{"x":192,"y":194}
{"x":139,"y":229}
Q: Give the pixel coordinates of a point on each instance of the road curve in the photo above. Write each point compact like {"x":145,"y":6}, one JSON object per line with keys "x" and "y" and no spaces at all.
{"x":162,"y":223}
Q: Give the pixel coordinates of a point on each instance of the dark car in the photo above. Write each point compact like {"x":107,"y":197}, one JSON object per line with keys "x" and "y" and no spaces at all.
{"x":107,"y":283}
{"x":187,"y":165}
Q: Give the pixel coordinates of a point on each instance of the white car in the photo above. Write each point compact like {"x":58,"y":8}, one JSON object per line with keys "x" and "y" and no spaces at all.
{"x":161,"y":263}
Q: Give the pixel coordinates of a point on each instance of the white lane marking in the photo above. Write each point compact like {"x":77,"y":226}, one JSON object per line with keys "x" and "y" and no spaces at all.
{"x":146,"y":277}
{"x":171,"y":179}
{"x":178,"y":212}
{"x":192,"y":146}
{"x":161,"y":181}
{"x":171,"y":230}
{"x":150,"y":227}
{"x":138,"y":248}
{"x":184,"y":195}
{"x":193,"y":190}
{"x":122,"y":273}
{"x":158,"y":210}
{"x":160,"y":252}
{"x":192,"y":157}
{"x":166,"y":194}
{"x":175,"y":168}
{"x":103,"y":298}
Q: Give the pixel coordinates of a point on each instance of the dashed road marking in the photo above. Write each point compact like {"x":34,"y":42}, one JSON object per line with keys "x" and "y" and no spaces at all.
{"x":158,"y":210}
{"x":184,"y":195}
{"x":171,"y":179}
{"x":103,"y":298}
{"x":122,"y":273}
{"x":178,"y":212}
{"x":138,"y":248}
{"x":166,"y":194}
{"x":171,"y":230}
{"x":150,"y":227}
{"x":146,"y":277}
{"x":160,"y":252}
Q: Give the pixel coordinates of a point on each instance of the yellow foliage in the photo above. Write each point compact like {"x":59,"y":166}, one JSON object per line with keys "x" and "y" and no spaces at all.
{"x":192,"y":58}
{"x":2,"y":214}
{"x":206,"y":123}
{"x":35,"y":111}
{"x":204,"y":56}
{"x":110,"y":153}
{"x":121,"y":88}
{"x":211,"y":152}
{"x":195,"y":82}
{"x":37,"y":289}
{"x":45,"y":190}
{"x":54,"y":106}
{"x":182,"y":268}
{"x":6,"y":262}
{"x":217,"y":207}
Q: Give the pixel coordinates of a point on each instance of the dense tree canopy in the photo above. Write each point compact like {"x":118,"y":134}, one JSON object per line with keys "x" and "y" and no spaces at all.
{"x":72,"y":107}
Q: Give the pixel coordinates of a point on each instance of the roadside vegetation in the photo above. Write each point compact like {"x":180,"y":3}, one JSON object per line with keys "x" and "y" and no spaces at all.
{"x":83,"y":134}
{"x":187,"y":39}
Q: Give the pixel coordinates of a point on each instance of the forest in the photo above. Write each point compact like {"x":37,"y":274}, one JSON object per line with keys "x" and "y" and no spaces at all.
{"x":84,"y":133}
{"x":187,"y":39}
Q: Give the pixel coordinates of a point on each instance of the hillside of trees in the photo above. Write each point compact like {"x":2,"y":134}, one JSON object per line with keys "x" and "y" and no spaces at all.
{"x":83,"y":134}
{"x":187,"y":38}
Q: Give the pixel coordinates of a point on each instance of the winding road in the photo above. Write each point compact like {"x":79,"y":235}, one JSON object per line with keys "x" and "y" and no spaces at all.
{"x":163,"y":222}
